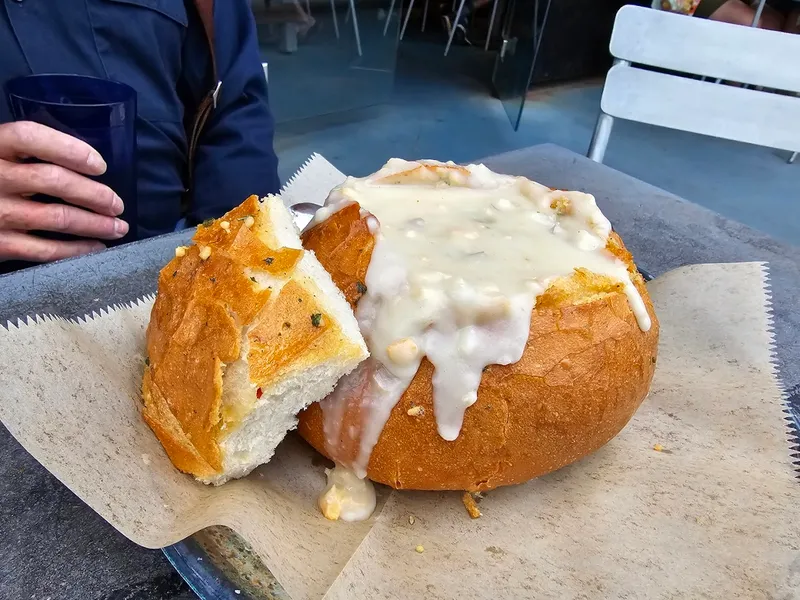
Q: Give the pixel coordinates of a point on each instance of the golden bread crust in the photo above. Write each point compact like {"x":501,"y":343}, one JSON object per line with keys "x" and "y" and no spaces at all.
{"x":205,"y":298}
{"x":290,"y":335}
{"x":585,"y":370}
{"x":344,"y":247}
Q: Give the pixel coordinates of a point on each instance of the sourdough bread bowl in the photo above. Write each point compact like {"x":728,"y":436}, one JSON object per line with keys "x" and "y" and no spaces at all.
{"x":584,"y":369}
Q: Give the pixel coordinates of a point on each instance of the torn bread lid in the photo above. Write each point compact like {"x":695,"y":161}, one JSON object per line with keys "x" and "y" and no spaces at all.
{"x":246,"y":331}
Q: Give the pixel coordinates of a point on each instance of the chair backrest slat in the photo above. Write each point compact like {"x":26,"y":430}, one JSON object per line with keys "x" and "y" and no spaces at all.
{"x":703,"y":107}
{"x":709,"y":48}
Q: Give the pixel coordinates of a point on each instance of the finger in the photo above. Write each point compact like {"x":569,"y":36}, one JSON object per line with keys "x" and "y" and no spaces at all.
{"x":24,"y":139}
{"x":16,"y":245}
{"x":28,"y":215}
{"x":60,"y":183}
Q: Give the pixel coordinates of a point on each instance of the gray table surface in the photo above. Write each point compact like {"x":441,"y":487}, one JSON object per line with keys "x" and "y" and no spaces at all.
{"x":52,"y":545}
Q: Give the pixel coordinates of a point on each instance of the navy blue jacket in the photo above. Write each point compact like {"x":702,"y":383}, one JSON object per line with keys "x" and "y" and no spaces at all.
{"x":158,"y":47}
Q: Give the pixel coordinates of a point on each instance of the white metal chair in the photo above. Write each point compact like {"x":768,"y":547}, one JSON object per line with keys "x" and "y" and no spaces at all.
{"x":351,"y":10}
{"x":452,"y":32}
{"x":706,"y":48}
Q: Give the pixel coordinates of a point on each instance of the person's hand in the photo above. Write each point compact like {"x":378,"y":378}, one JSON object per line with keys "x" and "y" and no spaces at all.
{"x":91,"y":206}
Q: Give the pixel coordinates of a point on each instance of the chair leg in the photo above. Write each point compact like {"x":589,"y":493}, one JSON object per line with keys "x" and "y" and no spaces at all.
{"x":599,"y":143}
{"x":388,"y":18}
{"x":453,"y":28}
{"x":425,"y":15}
{"x":759,"y":10}
{"x":335,"y":19}
{"x":793,"y":157}
{"x":355,"y":26}
{"x":405,"y":21}
{"x":288,"y":42}
{"x":491,"y":25}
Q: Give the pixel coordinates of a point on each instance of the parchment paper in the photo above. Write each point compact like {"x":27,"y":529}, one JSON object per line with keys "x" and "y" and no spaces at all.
{"x":713,"y":515}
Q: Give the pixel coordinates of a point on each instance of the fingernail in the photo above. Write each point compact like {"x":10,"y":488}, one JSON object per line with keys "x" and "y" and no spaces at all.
{"x":117,"y":206}
{"x":96,"y":163}
{"x":120,"y":227}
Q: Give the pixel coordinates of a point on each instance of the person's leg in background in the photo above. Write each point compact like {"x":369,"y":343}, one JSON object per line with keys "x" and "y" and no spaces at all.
{"x":739,"y":13}
{"x":449,"y":17}
{"x":287,"y":11}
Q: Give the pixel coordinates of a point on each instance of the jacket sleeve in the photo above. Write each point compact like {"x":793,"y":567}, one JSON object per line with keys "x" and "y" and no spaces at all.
{"x":235,"y":156}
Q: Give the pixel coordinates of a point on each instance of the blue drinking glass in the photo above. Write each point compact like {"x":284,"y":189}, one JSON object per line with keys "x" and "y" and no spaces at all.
{"x":100,"y":112}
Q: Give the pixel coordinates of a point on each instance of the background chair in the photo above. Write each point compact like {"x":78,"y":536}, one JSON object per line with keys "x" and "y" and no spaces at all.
{"x":705,"y":48}
{"x":351,"y":10}
{"x":456,"y":20}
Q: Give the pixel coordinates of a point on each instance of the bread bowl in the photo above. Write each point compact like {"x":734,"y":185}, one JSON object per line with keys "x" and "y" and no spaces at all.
{"x":564,"y":326}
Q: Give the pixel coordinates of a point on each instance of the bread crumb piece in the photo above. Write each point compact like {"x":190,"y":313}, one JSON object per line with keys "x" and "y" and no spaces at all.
{"x":411,"y":519}
{"x":237,"y":591}
{"x":146,"y":459}
{"x":225,"y":225}
{"x":471,"y":505}
{"x":420,"y":549}
{"x":658,"y":448}
{"x":249,"y":221}
{"x":180,"y":251}
{"x":205,"y":252}
{"x":415,"y":411}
